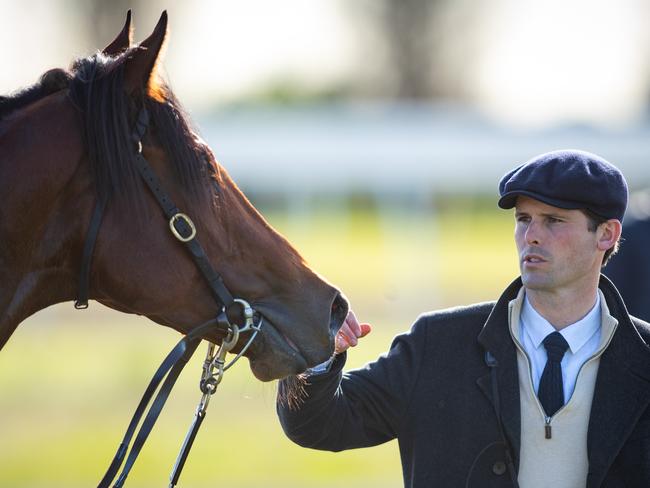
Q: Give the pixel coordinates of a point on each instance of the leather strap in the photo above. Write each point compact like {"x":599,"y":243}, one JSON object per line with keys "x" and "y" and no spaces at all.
{"x":218,"y":289}
{"x":141,"y":125}
{"x":89,"y":246}
{"x":217,"y":286}
{"x":169,"y":370}
{"x":185,"y":449}
{"x":175,"y":361}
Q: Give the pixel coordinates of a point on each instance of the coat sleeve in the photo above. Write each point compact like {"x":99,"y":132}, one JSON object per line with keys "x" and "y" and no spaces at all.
{"x":359,"y":408}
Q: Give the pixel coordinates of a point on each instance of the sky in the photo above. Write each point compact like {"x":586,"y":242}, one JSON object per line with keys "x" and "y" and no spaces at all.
{"x":561,"y":60}
{"x":537,"y":63}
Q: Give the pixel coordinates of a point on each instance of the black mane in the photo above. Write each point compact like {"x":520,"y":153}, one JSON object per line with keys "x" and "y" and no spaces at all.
{"x":50,"y":82}
{"x":95,"y":87}
{"x":109,"y":115}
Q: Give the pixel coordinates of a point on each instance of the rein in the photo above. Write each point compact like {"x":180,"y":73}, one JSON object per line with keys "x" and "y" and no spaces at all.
{"x":214,"y":365}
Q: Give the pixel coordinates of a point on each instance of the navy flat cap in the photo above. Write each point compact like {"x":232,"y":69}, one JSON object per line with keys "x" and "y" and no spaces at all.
{"x":568,"y":179}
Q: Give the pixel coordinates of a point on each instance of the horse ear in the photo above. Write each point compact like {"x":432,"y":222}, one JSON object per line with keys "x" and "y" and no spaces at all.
{"x":123,"y":40}
{"x":141,"y":67}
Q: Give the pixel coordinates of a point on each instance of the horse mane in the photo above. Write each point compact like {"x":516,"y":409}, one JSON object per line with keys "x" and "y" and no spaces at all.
{"x":108,"y":115}
{"x":50,"y":82}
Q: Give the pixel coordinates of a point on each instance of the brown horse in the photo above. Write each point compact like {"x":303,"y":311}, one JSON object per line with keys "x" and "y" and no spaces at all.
{"x":65,"y":142}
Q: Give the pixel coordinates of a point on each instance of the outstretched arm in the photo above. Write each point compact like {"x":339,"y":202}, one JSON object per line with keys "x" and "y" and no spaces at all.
{"x":358,"y":408}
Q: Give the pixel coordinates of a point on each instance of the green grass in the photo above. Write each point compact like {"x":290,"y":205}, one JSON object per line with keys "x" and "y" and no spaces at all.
{"x":69,"y":381}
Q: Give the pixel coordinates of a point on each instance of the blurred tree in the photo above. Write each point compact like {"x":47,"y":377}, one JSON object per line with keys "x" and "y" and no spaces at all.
{"x":406,"y":24}
{"x":103,"y":20}
{"x":424,"y":47}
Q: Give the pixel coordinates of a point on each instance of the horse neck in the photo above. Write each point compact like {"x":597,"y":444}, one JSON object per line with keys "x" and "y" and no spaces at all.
{"x":41,"y":180}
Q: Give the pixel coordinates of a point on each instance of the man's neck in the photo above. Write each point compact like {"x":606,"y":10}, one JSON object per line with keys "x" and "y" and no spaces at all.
{"x":562,"y":308}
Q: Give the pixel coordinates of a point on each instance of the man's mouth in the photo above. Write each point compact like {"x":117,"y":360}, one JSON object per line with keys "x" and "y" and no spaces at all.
{"x":533,"y":259}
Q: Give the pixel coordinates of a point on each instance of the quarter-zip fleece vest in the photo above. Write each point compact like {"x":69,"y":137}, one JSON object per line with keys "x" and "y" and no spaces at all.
{"x":554,"y":450}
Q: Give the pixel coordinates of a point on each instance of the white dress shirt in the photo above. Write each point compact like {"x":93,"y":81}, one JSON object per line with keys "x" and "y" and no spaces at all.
{"x":582,"y":336}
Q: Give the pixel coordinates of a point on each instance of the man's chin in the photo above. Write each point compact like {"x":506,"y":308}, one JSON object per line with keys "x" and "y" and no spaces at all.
{"x":533,"y":281}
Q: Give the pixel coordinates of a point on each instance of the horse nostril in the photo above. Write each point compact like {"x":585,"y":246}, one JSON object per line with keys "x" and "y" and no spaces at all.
{"x":338,"y":313}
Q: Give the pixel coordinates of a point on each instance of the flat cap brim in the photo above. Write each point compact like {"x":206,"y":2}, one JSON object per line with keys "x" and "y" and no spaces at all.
{"x":509,"y":200}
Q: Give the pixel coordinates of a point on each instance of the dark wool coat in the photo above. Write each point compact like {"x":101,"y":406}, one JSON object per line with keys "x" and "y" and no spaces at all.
{"x":433,"y":392}
{"x":630,"y":270}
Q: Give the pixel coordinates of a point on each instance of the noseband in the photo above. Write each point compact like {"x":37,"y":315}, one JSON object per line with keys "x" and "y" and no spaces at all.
{"x":214,"y":365}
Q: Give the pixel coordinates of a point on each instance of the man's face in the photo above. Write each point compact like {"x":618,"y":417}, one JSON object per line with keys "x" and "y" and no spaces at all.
{"x":556,"y":249}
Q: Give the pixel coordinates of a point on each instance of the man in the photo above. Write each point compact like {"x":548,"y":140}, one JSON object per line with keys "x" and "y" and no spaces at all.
{"x":547,"y":387}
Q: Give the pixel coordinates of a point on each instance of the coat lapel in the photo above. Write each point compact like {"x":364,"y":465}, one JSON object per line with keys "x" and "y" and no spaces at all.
{"x":495,"y":338}
{"x":622,"y":391}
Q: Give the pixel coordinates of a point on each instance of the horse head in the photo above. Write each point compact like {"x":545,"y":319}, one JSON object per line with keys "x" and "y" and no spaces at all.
{"x":65,"y":144}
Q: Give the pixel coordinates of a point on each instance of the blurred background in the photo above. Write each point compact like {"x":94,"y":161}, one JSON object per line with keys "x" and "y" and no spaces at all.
{"x":373,"y":135}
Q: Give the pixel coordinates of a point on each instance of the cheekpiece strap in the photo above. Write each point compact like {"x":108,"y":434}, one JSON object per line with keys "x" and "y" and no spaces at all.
{"x":86,"y":258}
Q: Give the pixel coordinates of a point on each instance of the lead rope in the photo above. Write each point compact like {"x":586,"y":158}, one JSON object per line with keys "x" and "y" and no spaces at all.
{"x":214,"y":368}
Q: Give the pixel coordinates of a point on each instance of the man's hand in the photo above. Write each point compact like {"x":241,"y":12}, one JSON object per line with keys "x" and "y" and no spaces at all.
{"x":350,"y":332}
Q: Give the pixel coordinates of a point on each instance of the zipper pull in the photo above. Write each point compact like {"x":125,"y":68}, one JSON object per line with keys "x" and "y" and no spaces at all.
{"x":547,"y":428}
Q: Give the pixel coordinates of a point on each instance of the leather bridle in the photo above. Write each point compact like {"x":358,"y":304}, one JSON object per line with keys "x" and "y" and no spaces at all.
{"x":214,"y":365}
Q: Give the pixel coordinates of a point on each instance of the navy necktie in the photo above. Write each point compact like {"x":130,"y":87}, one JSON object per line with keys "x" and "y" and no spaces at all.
{"x":551,"y":391}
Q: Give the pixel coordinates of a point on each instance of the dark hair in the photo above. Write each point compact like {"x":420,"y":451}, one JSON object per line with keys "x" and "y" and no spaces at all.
{"x":108,"y":113}
{"x":95,"y":87}
{"x":50,"y":82}
{"x":593,"y":221}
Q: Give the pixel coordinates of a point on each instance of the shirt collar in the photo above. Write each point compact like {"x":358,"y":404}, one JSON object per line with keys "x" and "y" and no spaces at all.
{"x":576,"y":334}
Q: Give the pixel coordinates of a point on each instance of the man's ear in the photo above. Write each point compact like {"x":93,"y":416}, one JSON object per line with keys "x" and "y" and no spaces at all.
{"x":123,"y":40}
{"x":140,"y":69}
{"x":609,"y":232}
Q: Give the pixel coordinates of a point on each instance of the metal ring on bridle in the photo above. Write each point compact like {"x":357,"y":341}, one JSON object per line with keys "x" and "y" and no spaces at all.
{"x":188,"y":221}
{"x":249,"y":324}
{"x":256,"y":329}
{"x":248,"y":314}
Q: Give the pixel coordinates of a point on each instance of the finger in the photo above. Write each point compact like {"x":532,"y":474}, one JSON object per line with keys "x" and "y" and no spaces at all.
{"x":346,"y":333}
{"x":353,"y":324}
{"x":341,"y":344}
{"x":365,"y":330}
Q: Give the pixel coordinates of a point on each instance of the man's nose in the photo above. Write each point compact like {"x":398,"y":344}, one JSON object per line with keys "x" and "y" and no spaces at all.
{"x":533,"y":233}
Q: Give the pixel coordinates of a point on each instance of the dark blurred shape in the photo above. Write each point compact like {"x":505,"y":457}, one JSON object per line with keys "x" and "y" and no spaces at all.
{"x":630,"y":268}
{"x":421,"y":49}
{"x":406,"y":24}
{"x":103,"y":18}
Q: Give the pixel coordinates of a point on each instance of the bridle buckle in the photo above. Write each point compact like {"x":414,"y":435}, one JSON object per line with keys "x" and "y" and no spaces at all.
{"x":181,"y":216}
